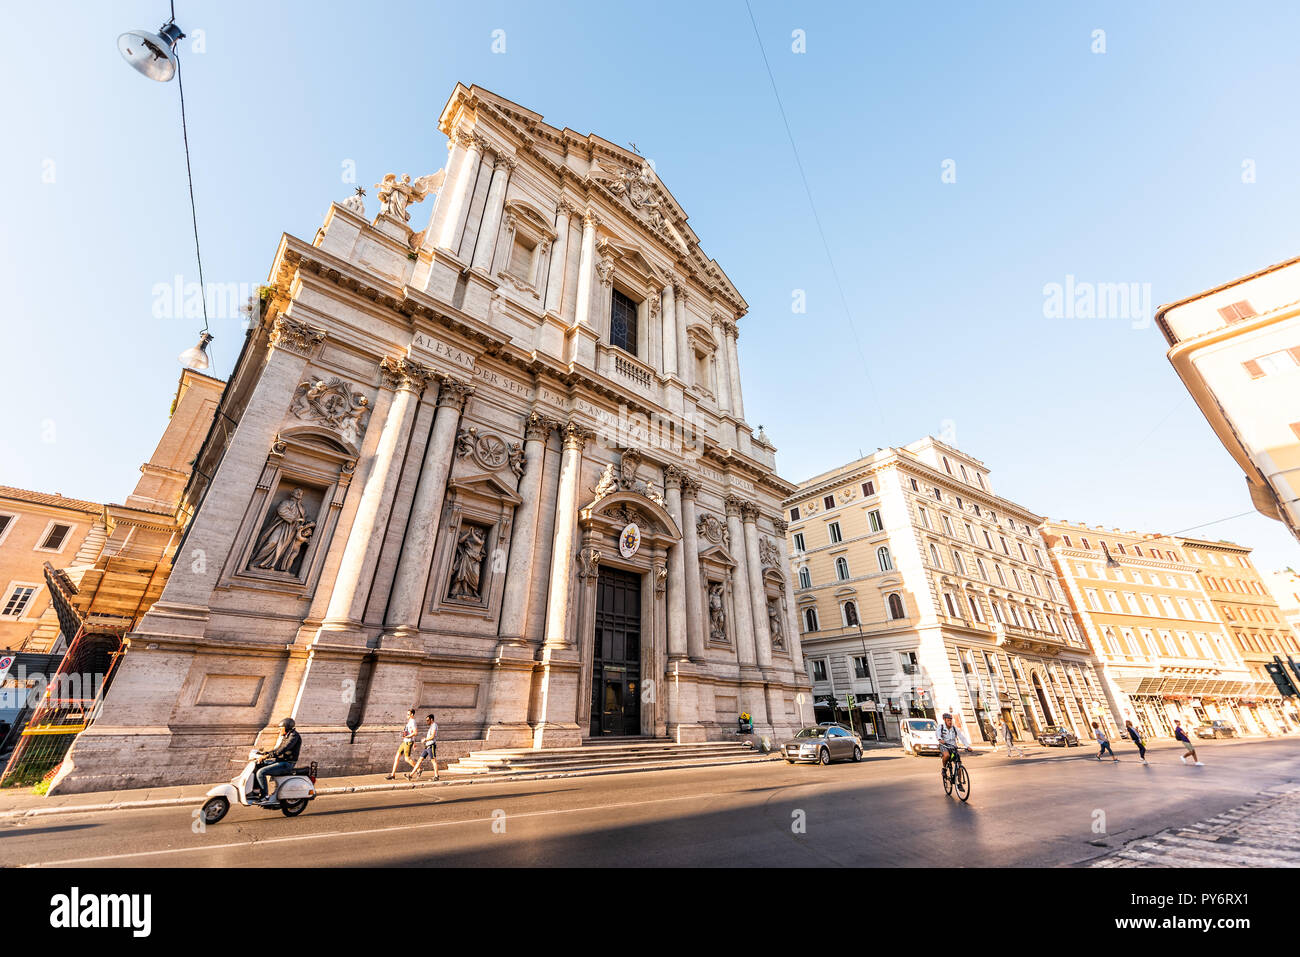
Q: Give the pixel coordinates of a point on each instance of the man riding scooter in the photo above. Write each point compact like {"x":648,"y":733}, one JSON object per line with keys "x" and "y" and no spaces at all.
{"x":279,"y":760}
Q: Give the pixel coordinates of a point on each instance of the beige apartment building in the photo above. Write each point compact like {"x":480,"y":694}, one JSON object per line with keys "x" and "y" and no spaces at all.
{"x":1237,"y":349}
{"x":919,"y":590}
{"x":1164,"y":651}
{"x":1257,"y":625}
{"x":36,"y":528}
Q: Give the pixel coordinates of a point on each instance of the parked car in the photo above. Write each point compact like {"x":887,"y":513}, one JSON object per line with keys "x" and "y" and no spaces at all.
{"x":822,"y":744}
{"x":919,"y":735}
{"x":1216,"y":729}
{"x":1057,"y":737}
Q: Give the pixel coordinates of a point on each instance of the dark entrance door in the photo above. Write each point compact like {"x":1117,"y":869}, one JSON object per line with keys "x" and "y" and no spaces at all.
{"x":616,"y":659}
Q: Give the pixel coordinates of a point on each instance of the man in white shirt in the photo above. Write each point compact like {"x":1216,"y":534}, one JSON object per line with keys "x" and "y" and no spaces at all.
{"x":430,"y":750}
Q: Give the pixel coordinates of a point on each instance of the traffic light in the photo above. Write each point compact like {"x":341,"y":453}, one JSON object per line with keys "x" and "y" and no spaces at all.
{"x":852,"y":701}
{"x":1277,"y":671}
{"x":1295,"y":665}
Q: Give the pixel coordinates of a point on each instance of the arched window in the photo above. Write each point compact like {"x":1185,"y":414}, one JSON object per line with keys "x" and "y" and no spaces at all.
{"x":935,"y":559}
{"x":997,"y":612}
{"x":850,"y":613}
{"x":975,"y":607}
{"x":896,"y":606}
{"x":946,"y":465}
{"x":805,"y":578}
{"x":882,"y":556}
{"x":810,"y":619}
{"x":952,"y":607}
{"x":984,"y":572}
{"x":842,"y":568}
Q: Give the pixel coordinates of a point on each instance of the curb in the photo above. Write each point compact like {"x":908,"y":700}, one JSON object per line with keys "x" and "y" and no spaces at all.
{"x":488,"y":778}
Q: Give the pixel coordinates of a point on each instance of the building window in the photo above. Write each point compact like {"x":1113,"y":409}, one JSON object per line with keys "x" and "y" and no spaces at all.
{"x":938,"y":494}
{"x":925,"y":517}
{"x":1237,"y":311}
{"x":975,"y":607}
{"x":1084,"y":541}
{"x":836,"y":536}
{"x":851,"y":613}
{"x":1002,"y":579}
{"x":798,"y":542}
{"x":828,"y":501}
{"x":6,"y":523}
{"x":896,"y":609}
{"x":842,"y":568}
{"x":882,"y":557}
{"x":18,"y":600}
{"x":805,"y":578}
{"x":952,"y":608}
{"x":55,"y":536}
{"x":868,"y":489}
{"x":861,"y":668}
{"x":622,"y":325}
{"x":1005,"y":550}
{"x":979,"y":478}
{"x":988,"y":541}
{"x":810,"y":624}
{"x":970,"y":533}
{"x":818,"y":664}
{"x":947,"y":467}
{"x":947,"y":526}
{"x":964,"y":476}
{"x":915,"y":487}
{"x":934,"y":557}
{"x":984,"y":572}
{"x":957,"y":563}
{"x":873,"y":518}
{"x":794,"y":514}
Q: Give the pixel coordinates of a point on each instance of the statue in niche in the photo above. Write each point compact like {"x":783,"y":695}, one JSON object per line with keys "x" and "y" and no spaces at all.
{"x":467,"y":565}
{"x":282,"y":542}
{"x":774,"y":624}
{"x":717,"y":613}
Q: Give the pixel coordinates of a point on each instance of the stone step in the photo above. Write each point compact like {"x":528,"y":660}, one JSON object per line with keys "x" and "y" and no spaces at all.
{"x":489,"y":774}
{"x":603,"y":756}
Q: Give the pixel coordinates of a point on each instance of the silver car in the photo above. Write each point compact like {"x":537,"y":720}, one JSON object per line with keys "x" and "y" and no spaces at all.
{"x":823,"y":744}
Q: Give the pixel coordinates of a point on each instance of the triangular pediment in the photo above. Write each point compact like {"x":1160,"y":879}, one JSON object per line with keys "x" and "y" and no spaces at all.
{"x":487,"y":485}
{"x":718,"y":555}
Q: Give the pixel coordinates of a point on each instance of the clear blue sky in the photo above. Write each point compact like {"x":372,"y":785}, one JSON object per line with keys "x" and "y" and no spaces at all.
{"x":1115,"y":167}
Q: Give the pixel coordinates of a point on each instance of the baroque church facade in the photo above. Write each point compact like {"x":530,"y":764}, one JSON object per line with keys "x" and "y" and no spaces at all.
{"x":497,"y":469}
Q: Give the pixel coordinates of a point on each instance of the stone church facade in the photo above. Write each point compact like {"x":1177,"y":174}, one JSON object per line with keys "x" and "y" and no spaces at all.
{"x":497,"y":469}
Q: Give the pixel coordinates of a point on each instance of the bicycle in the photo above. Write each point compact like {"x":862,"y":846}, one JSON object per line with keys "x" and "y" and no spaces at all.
{"x":956,"y":776}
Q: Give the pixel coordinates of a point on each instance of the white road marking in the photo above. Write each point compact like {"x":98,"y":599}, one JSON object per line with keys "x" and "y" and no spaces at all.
{"x":376,"y":830}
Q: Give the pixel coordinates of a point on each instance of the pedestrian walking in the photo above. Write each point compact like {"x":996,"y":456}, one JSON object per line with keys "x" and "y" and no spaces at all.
{"x":1135,"y":735}
{"x":430,"y":750}
{"x":404,"y":749}
{"x":1104,"y":741}
{"x":1181,"y":735}
{"x":1005,"y":733}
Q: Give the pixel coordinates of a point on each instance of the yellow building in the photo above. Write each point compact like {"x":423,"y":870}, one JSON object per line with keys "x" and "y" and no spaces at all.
{"x":1237,"y":349}
{"x":919,"y":590}
{"x":36,"y":528}
{"x":1284,"y":586}
{"x":1257,"y":625}
{"x":1165,"y":653}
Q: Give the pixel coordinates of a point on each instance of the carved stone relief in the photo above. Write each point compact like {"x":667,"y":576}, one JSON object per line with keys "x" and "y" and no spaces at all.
{"x":333,"y":403}
{"x":713,"y":529}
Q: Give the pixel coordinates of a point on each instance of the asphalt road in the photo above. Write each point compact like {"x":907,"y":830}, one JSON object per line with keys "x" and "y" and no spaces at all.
{"x":889,"y":810}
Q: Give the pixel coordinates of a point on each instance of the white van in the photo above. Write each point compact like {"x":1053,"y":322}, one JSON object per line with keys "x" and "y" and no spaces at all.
{"x":919,"y":735}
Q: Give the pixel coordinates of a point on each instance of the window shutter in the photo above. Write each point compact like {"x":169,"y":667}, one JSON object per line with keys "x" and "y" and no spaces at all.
{"x":1253,"y":368}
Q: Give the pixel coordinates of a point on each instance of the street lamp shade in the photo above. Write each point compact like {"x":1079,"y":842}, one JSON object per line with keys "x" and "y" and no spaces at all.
{"x":196,"y":357}
{"x":152,"y":54}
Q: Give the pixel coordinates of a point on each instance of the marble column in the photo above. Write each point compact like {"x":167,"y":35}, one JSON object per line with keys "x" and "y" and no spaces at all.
{"x":559,"y":254}
{"x":723,"y":366}
{"x":514,"y":606}
{"x":491,"y":224}
{"x":566,"y":525}
{"x":678,"y":625}
{"x":695,"y":624}
{"x":586,"y":270}
{"x":791,"y":612}
{"x":743,"y":601}
{"x":685,"y":355}
{"x":733,"y":366}
{"x":458,"y":194}
{"x":757,"y":589}
{"x":406,"y":601}
{"x":365,"y":537}
{"x":669,"y":334}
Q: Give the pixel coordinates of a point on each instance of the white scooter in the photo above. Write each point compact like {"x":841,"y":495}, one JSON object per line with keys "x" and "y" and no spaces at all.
{"x":292,"y":791}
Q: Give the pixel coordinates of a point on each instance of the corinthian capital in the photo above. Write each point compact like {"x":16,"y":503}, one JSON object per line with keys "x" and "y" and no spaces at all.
{"x":590,"y":219}
{"x":453,"y":392}
{"x":508,"y":163}
{"x":674,"y":477}
{"x":295,"y":336}
{"x":401,"y":372}
{"x":734,"y":504}
{"x":781,"y":525}
{"x":575,"y":435}
{"x":539,"y":426}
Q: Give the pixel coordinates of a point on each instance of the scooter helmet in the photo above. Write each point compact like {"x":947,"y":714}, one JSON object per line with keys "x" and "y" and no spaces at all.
{"x":288,"y":724}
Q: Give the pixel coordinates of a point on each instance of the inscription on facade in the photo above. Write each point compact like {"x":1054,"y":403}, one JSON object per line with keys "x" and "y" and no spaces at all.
{"x":442,"y":350}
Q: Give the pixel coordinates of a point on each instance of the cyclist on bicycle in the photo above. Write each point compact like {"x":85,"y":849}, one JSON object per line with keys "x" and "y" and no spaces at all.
{"x":950,"y":736}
